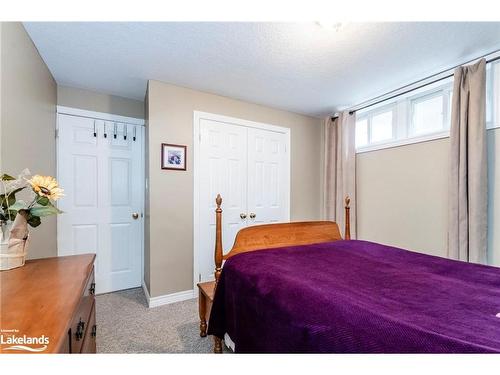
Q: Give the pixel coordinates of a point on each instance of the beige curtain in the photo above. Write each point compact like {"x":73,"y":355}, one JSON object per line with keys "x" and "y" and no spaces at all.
{"x":468,"y":195}
{"x":340,"y":169}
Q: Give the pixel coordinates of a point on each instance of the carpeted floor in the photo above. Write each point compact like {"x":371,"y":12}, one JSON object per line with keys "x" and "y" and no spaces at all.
{"x":126,"y":325}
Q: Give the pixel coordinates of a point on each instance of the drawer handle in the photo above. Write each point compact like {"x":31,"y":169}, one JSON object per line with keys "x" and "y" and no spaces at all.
{"x":94,"y":330}
{"x":79,"y":330}
{"x":92,"y":288}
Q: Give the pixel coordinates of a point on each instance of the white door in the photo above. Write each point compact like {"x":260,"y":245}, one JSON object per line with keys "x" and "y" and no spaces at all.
{"x":223,"y":170}
{"x":250,"y":168}
{"x":268,"y":184}
{"x":102,"y":175}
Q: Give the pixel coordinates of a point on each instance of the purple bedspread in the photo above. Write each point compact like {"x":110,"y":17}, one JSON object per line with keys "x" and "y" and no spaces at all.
{"x":356,"y":297}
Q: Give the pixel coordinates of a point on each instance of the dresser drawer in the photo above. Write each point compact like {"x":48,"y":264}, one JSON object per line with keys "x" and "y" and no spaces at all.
{"x":81,"y":319}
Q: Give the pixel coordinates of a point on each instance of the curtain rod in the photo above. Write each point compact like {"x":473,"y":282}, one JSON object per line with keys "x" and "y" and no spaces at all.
{"x":360,"y":106}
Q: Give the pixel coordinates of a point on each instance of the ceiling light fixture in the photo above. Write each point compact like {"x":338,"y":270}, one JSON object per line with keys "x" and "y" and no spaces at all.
{"x":331,"y":25}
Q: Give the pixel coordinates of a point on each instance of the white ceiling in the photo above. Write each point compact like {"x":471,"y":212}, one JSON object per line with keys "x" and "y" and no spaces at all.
{"x":300,"y":67}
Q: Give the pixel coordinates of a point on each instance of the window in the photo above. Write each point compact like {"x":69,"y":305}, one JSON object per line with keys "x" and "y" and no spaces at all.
{"x":428,"y":115}
{"x":418,"y":114}
{"x":375,"y":127}
{"x":381,"y":129}
{"x":361,"y":133}
{"x":421,"y":114}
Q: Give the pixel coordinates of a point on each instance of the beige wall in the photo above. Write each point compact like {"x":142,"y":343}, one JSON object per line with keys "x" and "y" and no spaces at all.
{"x":98,"y":102}
{"x":170,"y":119}
{"x":402,"y":196}
{"x":494,"y":197}
{"x":28,"y":120}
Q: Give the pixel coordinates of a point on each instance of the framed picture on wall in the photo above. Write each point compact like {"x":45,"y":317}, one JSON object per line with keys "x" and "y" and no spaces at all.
{"x":173,"y":157}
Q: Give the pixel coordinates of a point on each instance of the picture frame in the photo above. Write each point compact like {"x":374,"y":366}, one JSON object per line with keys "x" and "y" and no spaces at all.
{"x":173,"y":157}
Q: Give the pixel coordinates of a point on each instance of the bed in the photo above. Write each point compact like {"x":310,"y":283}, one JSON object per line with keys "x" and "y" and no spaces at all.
{"x":301,"y":288}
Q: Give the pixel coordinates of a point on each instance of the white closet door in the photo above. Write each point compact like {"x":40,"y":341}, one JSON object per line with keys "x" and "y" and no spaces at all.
{"x":103,"y":182}
{"x":223,"y":170}
{"x":268,"y":185}
{"x":249,"y":166}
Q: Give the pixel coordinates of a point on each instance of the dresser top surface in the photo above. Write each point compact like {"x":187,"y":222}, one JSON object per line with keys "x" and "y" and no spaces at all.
{"x":41,"y":297}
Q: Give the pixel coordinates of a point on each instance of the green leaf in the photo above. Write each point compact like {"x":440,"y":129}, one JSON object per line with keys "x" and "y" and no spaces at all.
{"x":43,"y":201}
{"x":34,"y":221}
{"x":19,"y":205}
{"x":58,"y":210}
{"x":9,"y":201}
{"x":11,"y":215}
{"x":44,"y":211}
{"x":17,"y":190}
{"x":6,"y":177}
{"x":11,"y":198}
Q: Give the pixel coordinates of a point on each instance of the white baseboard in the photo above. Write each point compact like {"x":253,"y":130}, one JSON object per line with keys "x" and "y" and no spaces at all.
{"x":167,"y":298}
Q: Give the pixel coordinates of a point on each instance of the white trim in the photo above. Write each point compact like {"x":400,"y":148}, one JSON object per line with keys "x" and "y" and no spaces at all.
{"x":403,"y":142}
{"x":143,"y":198}
{"x":99,"y":115}
{"x":413,"y":140}
{"x":197,"y":116}
{"x":237,"y":121}
{"x":492,"y":125}
{"x":169,"y":298}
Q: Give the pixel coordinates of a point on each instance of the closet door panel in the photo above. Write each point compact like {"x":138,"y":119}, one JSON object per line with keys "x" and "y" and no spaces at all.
{"x":267,"y":177}
{"x":223,"y":170}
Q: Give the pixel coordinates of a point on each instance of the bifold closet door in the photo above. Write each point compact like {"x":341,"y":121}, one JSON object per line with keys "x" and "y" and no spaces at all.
{"x":100,"y":168}
{"x":249,"y":167}
{"x":223,"y":170}
{"x":268,"y":184}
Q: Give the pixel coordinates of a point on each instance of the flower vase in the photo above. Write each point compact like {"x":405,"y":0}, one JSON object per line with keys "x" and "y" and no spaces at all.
{"x":14,"y":240}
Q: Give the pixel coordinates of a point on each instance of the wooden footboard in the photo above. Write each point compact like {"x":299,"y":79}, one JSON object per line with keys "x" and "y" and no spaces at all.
{"x":268,"y":236}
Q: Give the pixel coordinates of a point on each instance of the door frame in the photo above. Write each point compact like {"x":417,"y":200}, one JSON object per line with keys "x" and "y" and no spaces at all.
{"x":197,"y":117}
{"x":77,"y":112}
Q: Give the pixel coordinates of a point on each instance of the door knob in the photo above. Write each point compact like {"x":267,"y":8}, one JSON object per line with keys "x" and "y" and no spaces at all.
{"x":252,"y":215}
{"x":135,"y":216}
{"x":243,"y":216}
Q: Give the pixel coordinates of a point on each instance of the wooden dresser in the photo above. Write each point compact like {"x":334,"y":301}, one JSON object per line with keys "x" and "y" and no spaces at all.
{"x":48,"y":306}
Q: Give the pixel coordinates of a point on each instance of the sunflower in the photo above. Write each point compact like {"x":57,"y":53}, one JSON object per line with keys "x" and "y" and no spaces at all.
{"x":46,"y":186}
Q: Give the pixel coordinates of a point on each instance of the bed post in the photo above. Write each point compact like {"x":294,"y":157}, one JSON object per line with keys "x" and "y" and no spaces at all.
{"x":218,"y":239}
{"x":218,"y":258}
{"x":347,"y":230}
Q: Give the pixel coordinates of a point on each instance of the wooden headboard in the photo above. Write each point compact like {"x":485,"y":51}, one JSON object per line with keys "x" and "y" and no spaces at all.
{"x":270,"y":236}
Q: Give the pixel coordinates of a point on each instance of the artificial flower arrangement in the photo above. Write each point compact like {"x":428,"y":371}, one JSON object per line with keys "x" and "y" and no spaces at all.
{"x":16,"y":214}
{"x":45,"y":191}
